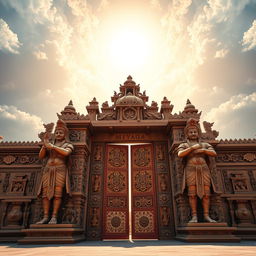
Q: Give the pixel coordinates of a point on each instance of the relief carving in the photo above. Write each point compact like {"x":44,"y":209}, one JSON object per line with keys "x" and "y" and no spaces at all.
{"x":97,"y":153}
{"x":96,"y":183}
{"x":95,"y":217}
{"x":160,"y":153}
{"x":9,"y":159}
{"x":143,"y":202}
{"x":165,"y":215}
{"x":116,"y":202}
{"x":163,"y":182}
{"x":116,"y":222}
{"x":129,"y":114}
{"x":239,"y":182}
{"x":142,"y":157}
{"x":143,"y":181}
{"x":116,"y":157}
{"x":75,"y":136}
{"x":18,"y":185}
{"x":144,"y":222}
{"x":116,"y":181}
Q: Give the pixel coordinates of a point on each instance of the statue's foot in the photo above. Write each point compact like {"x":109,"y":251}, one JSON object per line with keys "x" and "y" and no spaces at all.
{"x":194,"y":219}
{"x":44,"y":220}
{"x":53,"y":220}
{"x":208,"y":219}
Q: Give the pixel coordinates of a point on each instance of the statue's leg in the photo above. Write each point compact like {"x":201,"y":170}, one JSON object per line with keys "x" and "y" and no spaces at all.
{"x":56,"y":204}
{"x":46,"y":207}
{"x":193,"y":202}
{"x":206,"y":204}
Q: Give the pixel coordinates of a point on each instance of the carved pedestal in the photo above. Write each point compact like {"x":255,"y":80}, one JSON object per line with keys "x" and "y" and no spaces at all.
{"x":52,"y":234}
{"x":207,"y":232}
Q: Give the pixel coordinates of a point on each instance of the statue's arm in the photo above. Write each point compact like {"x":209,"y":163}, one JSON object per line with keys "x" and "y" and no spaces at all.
{"x":62,"y":151}
{"x":42,"y":152}
{"x":208,"y":150}
{"x":184,"y":150}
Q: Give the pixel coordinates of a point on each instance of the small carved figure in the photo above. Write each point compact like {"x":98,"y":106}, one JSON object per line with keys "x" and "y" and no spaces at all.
{"x":94,"y":220}
{"x":96,"y":183}
{"x":197,"y":175}
{"x":55,"y":173}
{"x":165,"y":216}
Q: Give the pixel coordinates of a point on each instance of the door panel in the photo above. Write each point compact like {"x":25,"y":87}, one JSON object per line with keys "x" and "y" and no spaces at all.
{"x":115,"y":207}
{"x":144,"y":217}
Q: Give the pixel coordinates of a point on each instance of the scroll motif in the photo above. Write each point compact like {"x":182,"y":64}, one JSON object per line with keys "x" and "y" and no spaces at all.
{"x":143,"y":181}
{"x":142,"y":157}
{"x":116,"y":157}
{"x":116,"y":181}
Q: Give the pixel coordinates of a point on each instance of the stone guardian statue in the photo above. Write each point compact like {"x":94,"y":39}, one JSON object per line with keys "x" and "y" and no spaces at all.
{"x":197,"y":177}
{"x":55,"y":173}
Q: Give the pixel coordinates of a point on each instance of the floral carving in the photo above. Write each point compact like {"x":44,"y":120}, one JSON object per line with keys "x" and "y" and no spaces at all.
{"x":142,"y":157}
{"x":116,"y":181}
{"x":116,"y":157}
{"x":9,"y":159}
{"x":143,"y":181}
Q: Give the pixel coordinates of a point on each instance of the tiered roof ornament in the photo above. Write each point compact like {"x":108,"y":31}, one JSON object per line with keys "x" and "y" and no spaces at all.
{"x":69,"y":113}
{"x":189,"y":112}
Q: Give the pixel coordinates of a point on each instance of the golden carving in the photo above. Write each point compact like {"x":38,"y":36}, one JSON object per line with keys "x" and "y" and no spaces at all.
{"x":144,"y":222}
{"x":116,"y":222}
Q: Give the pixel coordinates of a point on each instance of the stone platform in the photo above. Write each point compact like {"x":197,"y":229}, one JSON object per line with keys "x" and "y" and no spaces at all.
{"x":126,"y":248}
{"x":207,"y":232}
{"x":52,"y":234}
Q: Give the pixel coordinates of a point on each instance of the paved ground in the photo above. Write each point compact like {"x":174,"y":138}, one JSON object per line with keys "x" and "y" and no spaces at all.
{"x":138,"y":248}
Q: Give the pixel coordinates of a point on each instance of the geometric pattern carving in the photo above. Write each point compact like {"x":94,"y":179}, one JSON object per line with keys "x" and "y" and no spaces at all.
{"x":144,"y":222}
{"x":116,"y":222}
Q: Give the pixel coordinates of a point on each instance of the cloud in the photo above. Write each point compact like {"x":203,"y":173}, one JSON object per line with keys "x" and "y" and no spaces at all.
{"x":8,"y":39}
{"x":16,"y":124}
{"x":249,"y":38}
{"x":40,"y":55}
{"x":235,"y":117}
{"x":221,"y":53}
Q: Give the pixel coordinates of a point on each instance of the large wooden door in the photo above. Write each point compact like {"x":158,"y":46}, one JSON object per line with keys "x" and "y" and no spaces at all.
{"x":115,"y":206}
{"x":144,"y":210}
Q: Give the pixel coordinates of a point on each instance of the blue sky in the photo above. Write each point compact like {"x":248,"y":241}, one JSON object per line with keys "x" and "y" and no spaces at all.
{"x":54,"y":51}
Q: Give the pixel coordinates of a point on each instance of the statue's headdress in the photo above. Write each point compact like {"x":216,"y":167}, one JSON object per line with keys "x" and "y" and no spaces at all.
{"x":193,"y":123}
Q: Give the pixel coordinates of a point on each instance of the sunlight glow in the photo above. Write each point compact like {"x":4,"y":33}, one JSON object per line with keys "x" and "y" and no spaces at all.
{"x":129,"y":48}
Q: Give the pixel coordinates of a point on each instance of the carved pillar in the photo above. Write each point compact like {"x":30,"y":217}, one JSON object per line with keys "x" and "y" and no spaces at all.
{"x":95,"y":197}
{"x":164,"y":193}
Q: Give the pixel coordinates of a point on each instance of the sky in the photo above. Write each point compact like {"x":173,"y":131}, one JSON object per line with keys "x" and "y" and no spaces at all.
{"x":52,"y":51}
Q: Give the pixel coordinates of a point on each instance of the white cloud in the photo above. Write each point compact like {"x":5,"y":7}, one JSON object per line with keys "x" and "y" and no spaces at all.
{"x":16,"y":124}
{"x":40,"y":55}
{"x":249,"y":38}
{"x":8,"y":39}
{"x":221,"y":53}
{"x":235,"y":117}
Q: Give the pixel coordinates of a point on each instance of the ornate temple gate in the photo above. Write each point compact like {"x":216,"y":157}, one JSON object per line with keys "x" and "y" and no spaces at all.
{"x":142,"y":220}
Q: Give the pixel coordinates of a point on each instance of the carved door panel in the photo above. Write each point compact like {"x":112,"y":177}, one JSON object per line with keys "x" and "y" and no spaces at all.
{"x":144,"y":217}
{"x":115,"y":208}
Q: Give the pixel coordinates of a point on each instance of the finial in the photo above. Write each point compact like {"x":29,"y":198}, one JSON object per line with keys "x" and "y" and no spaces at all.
{"x":70,"y":103}
{"x":188,"y":101}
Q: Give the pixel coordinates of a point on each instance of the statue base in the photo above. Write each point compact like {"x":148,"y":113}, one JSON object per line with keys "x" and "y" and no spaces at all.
{"x":11,"y":235}
{"x":207,"y":232}
{"x":246,"y":232}
{"x":52,"y":234}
